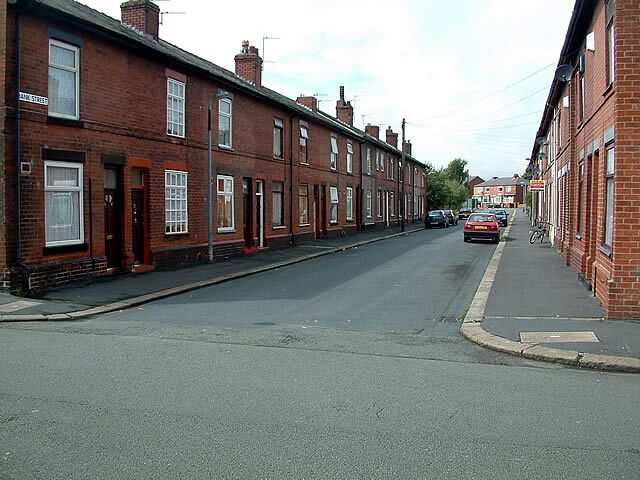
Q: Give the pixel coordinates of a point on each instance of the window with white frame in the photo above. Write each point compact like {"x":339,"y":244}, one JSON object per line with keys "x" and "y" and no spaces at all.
{"x":379,"y":203}
{"x":303,"y":205}
{"x":277,"y":203}
{"x":509,"y":188}
{"x":63,"y":201}
{"x":392,"y":204}
{"x":349,"y":157}
{"x":368,"y":203}
{"x":304,"y":135}
{"x":368,"y":161}
{"x":334,"y":152}
{"x":333,"y":209}
{"x":64,"y":80}
{"x":175,"y":107}
{"x":175,"y":202}
{"x":349,"y":206}
{"x":278,"y":127}
{"x":226,"y":218}
{"x":609,"y":186}
{"x":392,"y":169}
{"x":611,"y":41}
{"x":224,"y":122}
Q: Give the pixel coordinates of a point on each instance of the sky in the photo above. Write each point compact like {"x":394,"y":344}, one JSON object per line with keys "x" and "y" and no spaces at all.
{"x":470,"y":77}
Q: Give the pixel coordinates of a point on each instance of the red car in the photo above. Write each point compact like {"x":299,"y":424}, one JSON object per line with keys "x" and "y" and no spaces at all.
{"x":482,"y":226}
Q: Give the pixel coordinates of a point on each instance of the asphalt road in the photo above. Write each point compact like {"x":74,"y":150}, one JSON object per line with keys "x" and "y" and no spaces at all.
{"x":406,"y":284}
{"x":325,"y":369}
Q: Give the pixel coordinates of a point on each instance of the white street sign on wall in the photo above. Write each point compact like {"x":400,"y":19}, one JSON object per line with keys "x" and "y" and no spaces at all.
{"x":31,"y":98}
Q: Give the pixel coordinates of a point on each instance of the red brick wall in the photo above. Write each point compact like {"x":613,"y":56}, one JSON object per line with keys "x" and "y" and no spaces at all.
{"x":624,"y":291}
{"x":123,"y":112}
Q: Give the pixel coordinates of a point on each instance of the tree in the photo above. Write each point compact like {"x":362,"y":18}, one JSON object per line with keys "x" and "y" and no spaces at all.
{"x":457,"y":171}
{"x":446,"y":187}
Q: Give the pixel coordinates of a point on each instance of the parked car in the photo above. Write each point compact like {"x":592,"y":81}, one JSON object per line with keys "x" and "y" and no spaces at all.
{"x":436,"y":218}
{"x":482,"y":226}
{"x":502,"y":216}
{"x":453,"y":219}
{"x":464,"y":213}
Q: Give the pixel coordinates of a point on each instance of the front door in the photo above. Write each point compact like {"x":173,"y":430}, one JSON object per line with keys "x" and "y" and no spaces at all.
{"x":113,"y":218}
{"x":260,"y":212}
{"x":386,"y":208}
{"x":317,"y":225}
{"x":138,"y":216}
{"x":247,"y":213}
{"x":323,"y":209}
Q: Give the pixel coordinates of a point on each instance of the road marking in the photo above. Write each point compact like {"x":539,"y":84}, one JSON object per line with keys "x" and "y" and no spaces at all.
{"x":558,"y":337}
{"x":15,"y":306}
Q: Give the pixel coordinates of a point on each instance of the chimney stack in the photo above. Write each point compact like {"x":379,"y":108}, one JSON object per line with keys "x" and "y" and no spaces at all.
{"x":143,"y":15}
{"x":344,"y":110}
{"x":407,"y":147}
{"x":309,"y":102}
{"x":372,"y":130}
{"x":249,"y":64}
{"x":392,"y":138}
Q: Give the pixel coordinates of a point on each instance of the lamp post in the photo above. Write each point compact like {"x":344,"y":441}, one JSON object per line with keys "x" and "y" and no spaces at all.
{"x":210,"y":187}
{"x":403,"y":200}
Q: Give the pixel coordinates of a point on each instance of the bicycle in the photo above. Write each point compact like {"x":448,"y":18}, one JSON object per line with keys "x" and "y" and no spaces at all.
{"x":539,"y":232}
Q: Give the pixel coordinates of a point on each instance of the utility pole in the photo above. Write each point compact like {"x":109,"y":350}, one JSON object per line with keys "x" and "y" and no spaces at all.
{"x":402,"y":201}
{"x":210,"y":187}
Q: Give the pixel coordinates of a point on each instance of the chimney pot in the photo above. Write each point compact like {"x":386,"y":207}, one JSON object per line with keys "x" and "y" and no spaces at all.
{"x":249,"y":64}
{"x":143,"y":15}
{"x":344,"y":110}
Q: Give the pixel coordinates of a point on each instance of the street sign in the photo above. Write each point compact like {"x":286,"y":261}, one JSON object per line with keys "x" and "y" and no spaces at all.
{"x":536,"y":185}
{"x":31,"y":98}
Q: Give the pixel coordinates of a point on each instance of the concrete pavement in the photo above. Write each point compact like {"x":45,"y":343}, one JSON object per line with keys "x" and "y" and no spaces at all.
{"x":531,"y":304}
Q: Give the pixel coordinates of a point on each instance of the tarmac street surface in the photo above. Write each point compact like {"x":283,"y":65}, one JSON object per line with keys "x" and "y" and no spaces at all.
{"x":345,"y":366}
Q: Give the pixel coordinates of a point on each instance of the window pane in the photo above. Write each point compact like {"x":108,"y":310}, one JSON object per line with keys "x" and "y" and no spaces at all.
{"x":224,"y":126}
{"x":62,"y":91}
{"x":62,"y":176}
{"x":62,"y":56}
{"x":225,"y":106}
{"x":334,"y":145}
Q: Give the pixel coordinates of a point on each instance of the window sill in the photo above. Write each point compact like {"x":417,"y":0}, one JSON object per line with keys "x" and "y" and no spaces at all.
{"x":226,"y":230}
{"x":304,"y":224}
{"x":279,"y":227}
{"x":176,"y":138}
{"x":225,"y":147}
{"x":333,"y":223}
{"x":608,"y":89}
{"x":67,"y":122}
{"x":606,"y":250}
{"x":350,"y":220}
{"x":58,"y":249}
{"x":173,"y":234}
{"x":579,"y":236}
{"x":304,"y":163}
{"x":278,"y":158}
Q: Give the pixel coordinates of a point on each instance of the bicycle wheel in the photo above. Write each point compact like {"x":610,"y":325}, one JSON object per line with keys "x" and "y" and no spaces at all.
{"x":534,"y":237}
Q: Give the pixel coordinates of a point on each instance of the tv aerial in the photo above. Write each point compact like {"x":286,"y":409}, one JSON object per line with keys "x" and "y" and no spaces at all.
{"x":564,"y":73}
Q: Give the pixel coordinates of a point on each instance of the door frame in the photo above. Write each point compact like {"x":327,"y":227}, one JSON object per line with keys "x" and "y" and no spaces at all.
{"x":260,"y":212}
{"x":145,"y":217}
{"x":247,"y":212}
{"x":118,"y":208}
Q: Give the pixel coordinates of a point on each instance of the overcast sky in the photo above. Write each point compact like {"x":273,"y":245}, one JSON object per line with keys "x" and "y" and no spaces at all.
{"x":432,"y":62}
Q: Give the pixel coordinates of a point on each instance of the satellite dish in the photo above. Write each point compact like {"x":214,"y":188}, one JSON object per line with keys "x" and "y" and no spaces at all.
{"x":541,"y":140}
{"x":564,"y":73}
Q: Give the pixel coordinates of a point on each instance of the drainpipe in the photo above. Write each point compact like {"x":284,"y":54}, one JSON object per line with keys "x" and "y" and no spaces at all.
{"x":17,"y":147}
{"x":292,"y":239}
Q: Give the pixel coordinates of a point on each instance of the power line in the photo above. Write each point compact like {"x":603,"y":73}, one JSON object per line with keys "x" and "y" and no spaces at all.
{"x":491,"y":94}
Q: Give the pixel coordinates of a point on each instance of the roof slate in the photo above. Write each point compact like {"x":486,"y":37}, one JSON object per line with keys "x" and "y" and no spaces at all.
{"x":504,"y":181}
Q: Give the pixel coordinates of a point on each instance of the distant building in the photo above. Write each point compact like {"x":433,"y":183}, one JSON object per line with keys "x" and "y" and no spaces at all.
{"x":502,"y":191}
